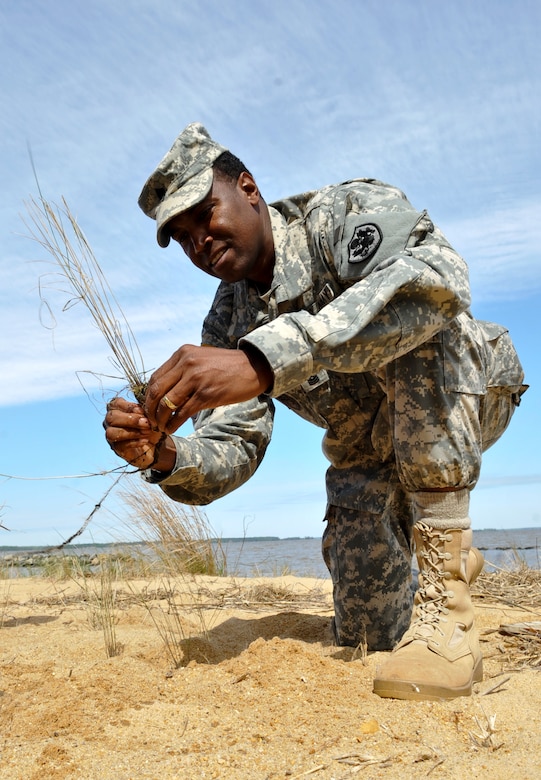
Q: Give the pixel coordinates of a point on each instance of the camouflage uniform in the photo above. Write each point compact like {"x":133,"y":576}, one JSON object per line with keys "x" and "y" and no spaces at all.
{"x":368,"y":333}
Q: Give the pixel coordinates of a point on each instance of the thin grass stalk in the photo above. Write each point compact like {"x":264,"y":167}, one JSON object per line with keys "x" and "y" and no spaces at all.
{"x":180,"y":537}
{"x":172,"y":629}
{"x":56,"y":229}
{"x":106,"y":605}
{"x":100,"y":600}
{"x":169,"y":626}
{"x":4,"y":604}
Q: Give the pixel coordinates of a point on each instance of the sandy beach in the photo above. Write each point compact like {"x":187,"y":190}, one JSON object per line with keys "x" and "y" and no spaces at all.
{"x":238,"y":679}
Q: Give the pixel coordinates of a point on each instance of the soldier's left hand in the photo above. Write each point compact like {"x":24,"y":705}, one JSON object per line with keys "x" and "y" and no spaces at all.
{"x":196,"y":378}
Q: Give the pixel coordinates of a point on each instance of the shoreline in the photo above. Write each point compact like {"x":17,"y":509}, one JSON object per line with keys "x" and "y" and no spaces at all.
{"x":533,"y":530}
{"x":262,"y":554}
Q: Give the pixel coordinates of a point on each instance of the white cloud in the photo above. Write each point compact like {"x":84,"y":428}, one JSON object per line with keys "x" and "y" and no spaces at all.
{"x":502,"y":250}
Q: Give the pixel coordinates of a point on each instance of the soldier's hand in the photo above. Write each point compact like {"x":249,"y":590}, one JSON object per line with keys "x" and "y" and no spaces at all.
{"x":130,"y":435}
{"x":196,"y":378}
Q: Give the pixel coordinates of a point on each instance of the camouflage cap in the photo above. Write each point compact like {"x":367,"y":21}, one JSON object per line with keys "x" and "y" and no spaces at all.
{"x":182,"y":179}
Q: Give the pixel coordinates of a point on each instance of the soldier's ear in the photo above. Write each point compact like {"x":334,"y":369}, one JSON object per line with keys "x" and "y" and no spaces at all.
{"x":248,"y":186}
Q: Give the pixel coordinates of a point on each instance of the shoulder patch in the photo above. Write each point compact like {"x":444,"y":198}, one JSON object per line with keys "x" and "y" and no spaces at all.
{"x":364,"y":243}
{"x":370,"y":238}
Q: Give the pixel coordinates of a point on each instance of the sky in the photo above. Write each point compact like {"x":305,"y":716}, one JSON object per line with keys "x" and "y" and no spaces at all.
{"x":441,"y":100}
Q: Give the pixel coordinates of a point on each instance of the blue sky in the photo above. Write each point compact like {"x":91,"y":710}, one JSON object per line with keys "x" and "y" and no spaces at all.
{"x":442,"y":100}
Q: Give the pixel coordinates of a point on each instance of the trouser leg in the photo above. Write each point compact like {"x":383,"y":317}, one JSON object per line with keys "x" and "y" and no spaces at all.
{"x":369,"y":558}
{"x":437,"y":436}
{"x":443,"y":410}
{"x":436,"y":433}
{"x":439,"y":432}
{"x":439,"y":422}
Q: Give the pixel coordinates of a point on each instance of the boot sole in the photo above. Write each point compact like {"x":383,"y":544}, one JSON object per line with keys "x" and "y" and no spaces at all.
{"x":403,"y":689}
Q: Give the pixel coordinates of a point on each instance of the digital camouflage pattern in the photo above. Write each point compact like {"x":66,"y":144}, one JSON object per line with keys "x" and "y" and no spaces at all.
{"x":182,"y":179}
{"x":369,"y":335}
{"x":369,"y":559}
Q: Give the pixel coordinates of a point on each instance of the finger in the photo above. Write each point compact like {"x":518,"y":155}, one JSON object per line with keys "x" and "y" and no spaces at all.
{"x":176,"y":421}
{"x":123,"y":405}
{"x":167,"y":409}
{"x":155,"y":408}
{"x":115,"y":436}
{"x":167,"y":377}
{"x":183,"y":414}
{"x":119,"y":419}
{"x":171,"y":363}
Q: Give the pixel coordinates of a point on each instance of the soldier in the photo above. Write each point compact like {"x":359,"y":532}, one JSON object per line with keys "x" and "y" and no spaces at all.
{"x":350,"y":307}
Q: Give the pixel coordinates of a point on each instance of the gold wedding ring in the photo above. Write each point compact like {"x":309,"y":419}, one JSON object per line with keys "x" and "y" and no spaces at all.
{"x":169,"y":404}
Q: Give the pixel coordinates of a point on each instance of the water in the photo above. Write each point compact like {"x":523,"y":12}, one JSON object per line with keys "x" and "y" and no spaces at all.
{"x":302,"y":557}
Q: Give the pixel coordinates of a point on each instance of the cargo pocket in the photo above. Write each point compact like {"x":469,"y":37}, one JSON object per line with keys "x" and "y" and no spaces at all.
{"x":497,"y":408}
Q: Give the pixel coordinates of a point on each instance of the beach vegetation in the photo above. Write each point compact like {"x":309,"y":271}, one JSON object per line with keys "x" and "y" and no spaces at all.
{"x":180,"y":538}
{"x":99,"y":596}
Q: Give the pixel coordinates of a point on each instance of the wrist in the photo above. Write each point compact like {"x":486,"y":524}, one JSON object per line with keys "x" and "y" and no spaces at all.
{"x":165,"y":456}
{"x":260,"y":365}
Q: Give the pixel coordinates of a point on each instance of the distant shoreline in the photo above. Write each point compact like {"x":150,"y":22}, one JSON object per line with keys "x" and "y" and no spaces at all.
{"x":138,"y":543}
{"x":508,"y":533}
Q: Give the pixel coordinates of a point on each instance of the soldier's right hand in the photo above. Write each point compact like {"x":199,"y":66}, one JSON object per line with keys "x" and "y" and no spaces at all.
{"x":129,"y":434}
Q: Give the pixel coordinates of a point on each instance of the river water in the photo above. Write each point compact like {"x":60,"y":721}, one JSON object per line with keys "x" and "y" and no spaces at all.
{"x":302,"y":557}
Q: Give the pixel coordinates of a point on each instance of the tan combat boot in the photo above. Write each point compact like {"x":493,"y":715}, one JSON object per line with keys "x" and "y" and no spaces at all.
{"x":439,"y":656}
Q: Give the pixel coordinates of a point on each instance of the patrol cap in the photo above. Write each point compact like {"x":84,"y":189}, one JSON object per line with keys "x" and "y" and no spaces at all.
{"x":182,"y":179}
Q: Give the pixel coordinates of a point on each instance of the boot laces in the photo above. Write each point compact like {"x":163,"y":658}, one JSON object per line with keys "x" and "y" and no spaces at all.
{"x":432,"y":595}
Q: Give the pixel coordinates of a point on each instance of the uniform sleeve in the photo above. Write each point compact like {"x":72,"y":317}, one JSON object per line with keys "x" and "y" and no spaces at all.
{"x":399,"y":282}
{"x":228,"y":443}
{"x":225,"y":449}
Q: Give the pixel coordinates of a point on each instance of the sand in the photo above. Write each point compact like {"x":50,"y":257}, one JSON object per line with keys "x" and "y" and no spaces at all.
{"x":261,"y":694}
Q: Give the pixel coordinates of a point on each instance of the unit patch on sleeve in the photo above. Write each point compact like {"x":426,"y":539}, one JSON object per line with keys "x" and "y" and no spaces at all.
{"x":364,"y":243}
{"x":370,"y":238}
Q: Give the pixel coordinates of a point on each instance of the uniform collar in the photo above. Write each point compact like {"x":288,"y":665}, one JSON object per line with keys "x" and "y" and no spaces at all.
{"x":292,"y":278}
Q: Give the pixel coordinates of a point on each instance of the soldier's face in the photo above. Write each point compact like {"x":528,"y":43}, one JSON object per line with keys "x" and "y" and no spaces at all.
{"x":225,"y":234}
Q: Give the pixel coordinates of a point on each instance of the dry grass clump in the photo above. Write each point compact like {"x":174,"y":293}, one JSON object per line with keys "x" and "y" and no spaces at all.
{"x":5,"y":570}
{"x":56,"y":229}
{"x":519,"y":587}
{"x":522,"y":645}
{"x":99,"y":596}
{"x":168,"y":620}
{"x":4,"y":604}
{"x":127,"y":565}
{"x":180,"y":538}
{"x":103,"y":602}
{"x":271,"y":595}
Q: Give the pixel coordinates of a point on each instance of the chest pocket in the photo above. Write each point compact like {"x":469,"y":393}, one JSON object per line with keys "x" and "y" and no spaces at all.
{"x":371,"y":238}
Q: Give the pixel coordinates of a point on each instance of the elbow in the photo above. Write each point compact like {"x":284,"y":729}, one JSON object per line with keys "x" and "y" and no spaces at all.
{"x":453,"y":302}
{"x":446,"y":294}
